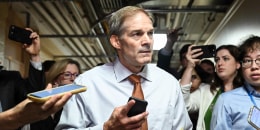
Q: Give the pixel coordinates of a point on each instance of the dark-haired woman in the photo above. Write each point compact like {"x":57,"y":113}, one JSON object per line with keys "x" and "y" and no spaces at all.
{"x":227,"y":78}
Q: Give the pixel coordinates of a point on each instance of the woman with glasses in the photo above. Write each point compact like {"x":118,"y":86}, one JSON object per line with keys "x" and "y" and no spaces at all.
{"x":61,"y":73}
{"x":232,"y":109}
{"x":227,"y":78}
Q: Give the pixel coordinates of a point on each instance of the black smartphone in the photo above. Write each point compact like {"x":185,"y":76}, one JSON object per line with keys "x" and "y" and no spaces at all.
{"x":208,"y":51}
{"x":253,"y":117}
{"x":139,"y":107}
{"x":19,"y":35}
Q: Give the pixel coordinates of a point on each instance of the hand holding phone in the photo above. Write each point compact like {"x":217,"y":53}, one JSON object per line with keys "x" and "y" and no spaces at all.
{"x":19,"y":35}
{"x":138,"y":107}
{"x":208,"y":51}
{"x":44,"y":95}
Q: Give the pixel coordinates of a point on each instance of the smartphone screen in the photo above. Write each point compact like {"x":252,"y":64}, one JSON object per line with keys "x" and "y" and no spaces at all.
{"x":44,"y":95}
{"x":139,"y":107}
{"x":208,"y":51}
{"x":254,"y":117}
{"x":19,"y":35}
{"x":58,"y":90}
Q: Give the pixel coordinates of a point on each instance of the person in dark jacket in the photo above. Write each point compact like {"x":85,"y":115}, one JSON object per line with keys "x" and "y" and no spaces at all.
{"x":165,"y":54}
{"x":14,"y":88}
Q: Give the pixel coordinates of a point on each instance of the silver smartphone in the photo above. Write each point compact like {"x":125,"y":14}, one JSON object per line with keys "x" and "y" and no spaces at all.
{"x":44,"y":95}
{"x":254,"y":117}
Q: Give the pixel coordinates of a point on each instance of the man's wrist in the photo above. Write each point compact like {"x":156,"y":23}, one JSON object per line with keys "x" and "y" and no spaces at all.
{"x":166,"y":52}
{"x":36,"y":64}
{"x":35,"y":58}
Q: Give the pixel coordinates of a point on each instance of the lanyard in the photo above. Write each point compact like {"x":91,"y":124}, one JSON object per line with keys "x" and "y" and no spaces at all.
{"x":251,"y":97}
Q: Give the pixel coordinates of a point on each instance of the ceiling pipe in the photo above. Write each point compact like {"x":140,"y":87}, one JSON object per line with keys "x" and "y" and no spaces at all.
{"x":73,"y":36}
{"x":235,"y":6}
{"x":75,"y":24}
{"x":27,"y":17}
{"x":56,"y":28}
{"x":74,"y":44}
{"x":187,"y":10}
{"x":184,"y":20}
{"x":100,"y":27}
{"x":87,"y":49}
{"x":83,"y":56}
{"x":211,"y":19}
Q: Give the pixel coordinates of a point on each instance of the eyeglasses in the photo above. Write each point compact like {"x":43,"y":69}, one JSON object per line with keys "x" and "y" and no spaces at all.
{"x":68,"y":75}
{"x":247,"y":63}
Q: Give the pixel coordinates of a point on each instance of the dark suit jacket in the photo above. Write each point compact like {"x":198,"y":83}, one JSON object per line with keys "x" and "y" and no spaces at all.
{"x":14,"y":89}
{"x":164,"y":62}
{"x":10,"y":92}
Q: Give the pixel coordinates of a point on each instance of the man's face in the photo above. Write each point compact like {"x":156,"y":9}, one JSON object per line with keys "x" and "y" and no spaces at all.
{"x":136,"y":41}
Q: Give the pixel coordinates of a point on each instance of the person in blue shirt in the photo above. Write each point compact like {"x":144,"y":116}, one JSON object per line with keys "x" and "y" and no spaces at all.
{"x":232,"y":108}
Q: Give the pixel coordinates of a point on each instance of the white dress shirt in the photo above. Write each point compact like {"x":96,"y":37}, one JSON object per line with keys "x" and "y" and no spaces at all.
{"x":108,"y":87}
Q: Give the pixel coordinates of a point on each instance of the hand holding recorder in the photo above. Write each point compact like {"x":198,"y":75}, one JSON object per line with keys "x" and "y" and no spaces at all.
{"x":28,"y":111}
{"x":44,"y":95}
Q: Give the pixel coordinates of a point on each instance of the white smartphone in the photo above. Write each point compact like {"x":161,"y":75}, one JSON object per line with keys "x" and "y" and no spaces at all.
{"x":44,"y":95}
{"x":253,"y":117}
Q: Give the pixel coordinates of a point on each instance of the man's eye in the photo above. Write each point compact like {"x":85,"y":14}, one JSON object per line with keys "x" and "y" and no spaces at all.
{"x":136,"y":34}
{"x":225,"y":58}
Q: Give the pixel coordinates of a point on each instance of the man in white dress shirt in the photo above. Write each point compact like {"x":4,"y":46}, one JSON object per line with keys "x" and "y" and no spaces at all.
{"x":105,"y":104}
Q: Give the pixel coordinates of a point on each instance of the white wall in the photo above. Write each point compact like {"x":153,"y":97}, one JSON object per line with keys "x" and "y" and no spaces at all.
{"x":244,"y":22}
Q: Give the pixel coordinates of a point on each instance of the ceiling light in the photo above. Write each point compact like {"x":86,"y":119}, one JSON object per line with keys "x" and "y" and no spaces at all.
{"x":159,"y":41}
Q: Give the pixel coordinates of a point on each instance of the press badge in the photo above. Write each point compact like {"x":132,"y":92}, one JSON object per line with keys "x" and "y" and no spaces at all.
{"x":253,"y":117}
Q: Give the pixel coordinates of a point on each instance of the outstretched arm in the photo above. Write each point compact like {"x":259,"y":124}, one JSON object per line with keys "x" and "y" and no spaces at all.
{"x":28,"y":111}
{"x":165,"y":54}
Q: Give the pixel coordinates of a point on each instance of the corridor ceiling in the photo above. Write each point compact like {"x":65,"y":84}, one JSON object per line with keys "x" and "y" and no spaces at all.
{"x":78,"y":28}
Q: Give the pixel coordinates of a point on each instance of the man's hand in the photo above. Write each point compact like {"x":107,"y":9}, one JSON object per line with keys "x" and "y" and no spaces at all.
{"x":34,"y":49}
{"x":192,"y":55}
{"x":172,"y":37}
{"x":120,"y":121}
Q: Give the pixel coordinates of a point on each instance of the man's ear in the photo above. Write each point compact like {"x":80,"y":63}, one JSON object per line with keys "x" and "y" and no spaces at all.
{"x":114,"y":41}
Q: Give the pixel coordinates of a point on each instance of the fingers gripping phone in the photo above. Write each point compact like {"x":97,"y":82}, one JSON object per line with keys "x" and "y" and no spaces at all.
{"x":253,"y":117}
{"x":19,"y":35}
{"x":138,"y":107}
{"x":208,"y":51}
{"x":44,"y":95}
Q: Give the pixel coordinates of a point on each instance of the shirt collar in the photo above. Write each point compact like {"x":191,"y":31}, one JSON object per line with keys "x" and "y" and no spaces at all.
{"x":251,"y":90}
{"x":121,"y":72}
